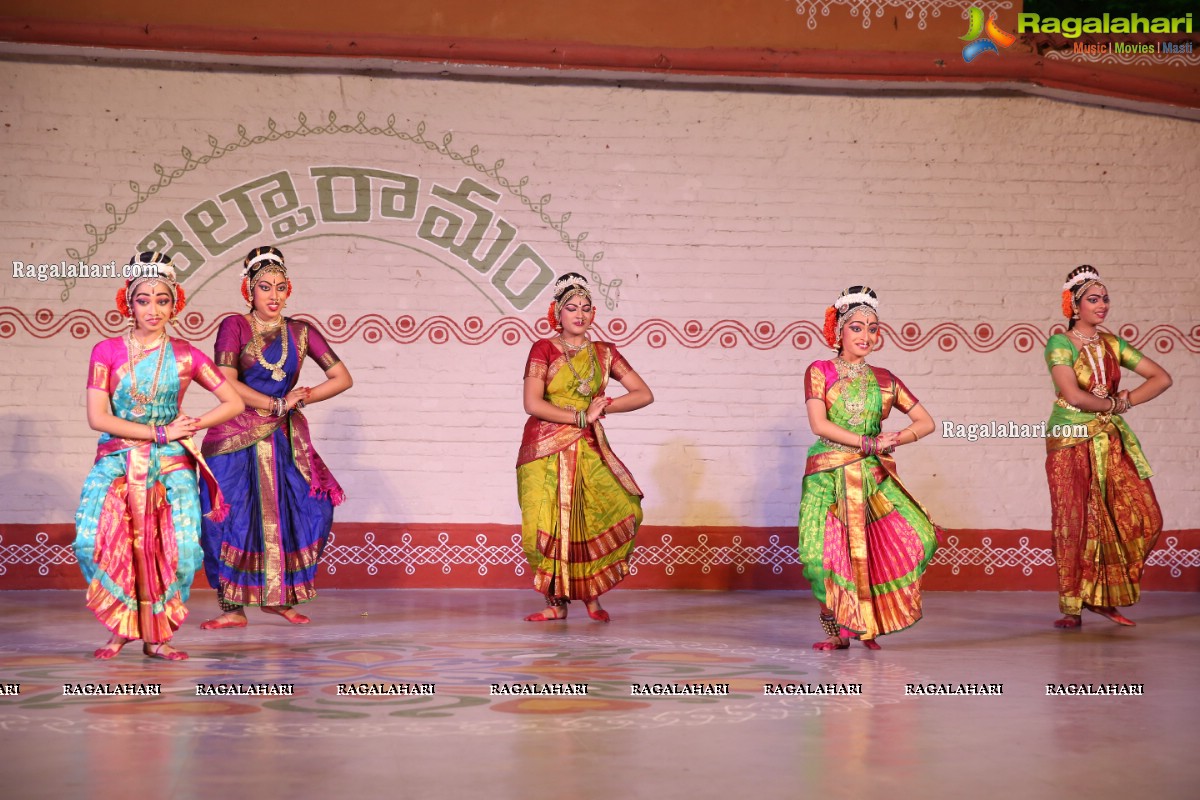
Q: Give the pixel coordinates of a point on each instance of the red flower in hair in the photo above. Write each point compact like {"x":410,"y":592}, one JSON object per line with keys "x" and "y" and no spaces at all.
{"x":831,"y":326}
{"x":1068,"y":307}
{"x":552,"y":317}
{"x":180,"y":301}
{"x":123,"y":302}
{"x":289,"y":294}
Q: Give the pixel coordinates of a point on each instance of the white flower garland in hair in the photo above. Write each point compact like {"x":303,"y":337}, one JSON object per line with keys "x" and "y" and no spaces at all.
{"x":1080,"y":278}
{"x":262,"y":257}
{"x":846,"y":301}
{"x":570,"y":280}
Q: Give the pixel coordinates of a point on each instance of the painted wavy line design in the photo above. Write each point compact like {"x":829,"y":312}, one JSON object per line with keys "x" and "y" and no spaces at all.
{"x":738,"y":554}
{"x":1129,"y":59}
{"x":40,"y":553}
{"x":1024,"y":337}
{"x":921,"y":10}
{"x":409,"y":555}
{"x":1025,"y":558}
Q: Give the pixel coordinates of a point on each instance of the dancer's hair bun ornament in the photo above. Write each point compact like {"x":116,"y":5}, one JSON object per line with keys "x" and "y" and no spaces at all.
{"x":264,"y":257}
{"x":571,"y":280}
{"x":1078,"y":281}
{"x":163,"y":272}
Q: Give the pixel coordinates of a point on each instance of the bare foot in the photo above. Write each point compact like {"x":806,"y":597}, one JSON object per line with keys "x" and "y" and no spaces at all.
{"x":230,"y":619}
{"x":288,"y":613}
{"x":832,"y":643}
{"x":596,"y":612}
{"x":1069,"y":621}
{"x":871,"y":644}
{"x":1111,"y":614}
{"x":164,"y":651}
{"x":111,"y":647}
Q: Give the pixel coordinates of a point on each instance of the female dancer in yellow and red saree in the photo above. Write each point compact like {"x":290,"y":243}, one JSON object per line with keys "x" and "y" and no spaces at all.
{"x":580,"y":507}
{"x":281,"y":494}
{"x":138,"y":524}
{"x":864,"y":540}
{"x":1104,"y":515}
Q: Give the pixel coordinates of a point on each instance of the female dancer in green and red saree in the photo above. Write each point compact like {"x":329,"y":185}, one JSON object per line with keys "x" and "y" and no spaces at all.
{"x":1103,"y":513}
{"x":138,"y":524}
{"x":864,"y":540}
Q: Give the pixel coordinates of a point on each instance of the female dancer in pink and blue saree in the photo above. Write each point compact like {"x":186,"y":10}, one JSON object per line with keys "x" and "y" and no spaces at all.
{"x":138,"y":524}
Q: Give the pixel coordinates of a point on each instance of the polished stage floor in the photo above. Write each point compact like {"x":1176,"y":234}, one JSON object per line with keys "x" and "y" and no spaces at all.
{"x":463,"y":741}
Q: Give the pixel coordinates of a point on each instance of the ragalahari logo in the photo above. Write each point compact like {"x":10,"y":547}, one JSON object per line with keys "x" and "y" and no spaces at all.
{"x":985,"y":26}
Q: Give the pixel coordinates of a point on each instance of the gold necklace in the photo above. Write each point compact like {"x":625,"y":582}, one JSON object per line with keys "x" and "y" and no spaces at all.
{"x":1086,"y":339}
{"x":142,"y":400}
{"x":585,"y":386}
{"x":256,"y":346}
{"x":856,"y":406}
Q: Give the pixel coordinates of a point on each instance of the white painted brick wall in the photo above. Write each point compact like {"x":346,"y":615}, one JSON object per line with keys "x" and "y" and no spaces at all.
{"x":709,"y":205}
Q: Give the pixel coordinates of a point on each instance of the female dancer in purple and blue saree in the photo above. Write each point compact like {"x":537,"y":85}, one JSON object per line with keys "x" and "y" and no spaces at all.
{"x":864,"y":540}
{"x":137,"y":530}
{"x":281,"y":494}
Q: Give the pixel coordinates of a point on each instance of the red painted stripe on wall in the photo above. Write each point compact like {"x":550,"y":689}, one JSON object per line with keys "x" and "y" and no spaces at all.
{"x":840,"y":65}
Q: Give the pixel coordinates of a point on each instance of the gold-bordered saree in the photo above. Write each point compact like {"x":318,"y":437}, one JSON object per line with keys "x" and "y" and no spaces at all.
{"x":281,"y":493}
{"x":1104,"y":516}
{"x":580,"y":506}
{"x":864,"y":540}
{"x":137,"y":528}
